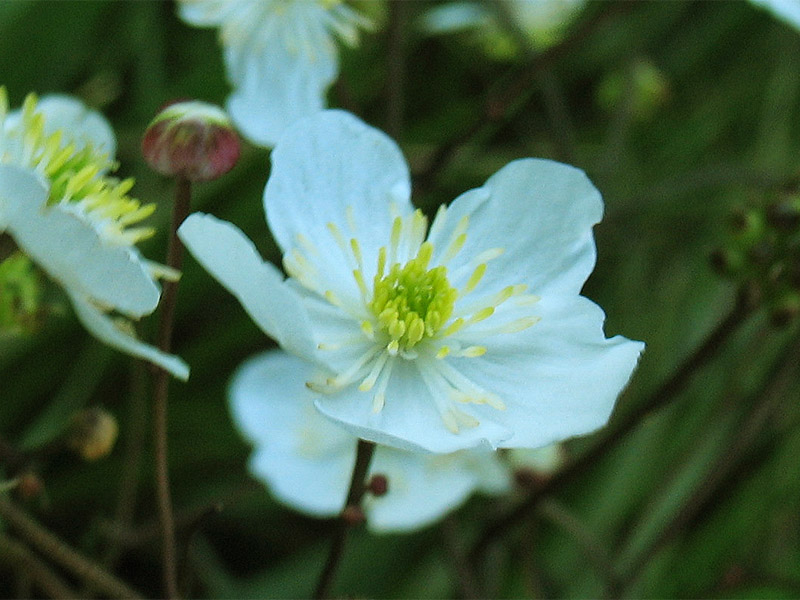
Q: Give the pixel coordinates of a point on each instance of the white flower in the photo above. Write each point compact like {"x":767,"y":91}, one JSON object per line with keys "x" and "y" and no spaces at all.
{"x":307,"y":461}
{"x":543,"y":22}
{"x":787,"y":11}
{"x":75,"y":221}
{"x":280,"y":56}
{"x":470,"y":333}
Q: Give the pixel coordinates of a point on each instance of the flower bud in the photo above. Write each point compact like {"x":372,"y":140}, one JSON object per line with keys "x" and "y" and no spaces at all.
{"x":378,"y":485}
{"x":92,"y":433}
{"x":193,"y":140}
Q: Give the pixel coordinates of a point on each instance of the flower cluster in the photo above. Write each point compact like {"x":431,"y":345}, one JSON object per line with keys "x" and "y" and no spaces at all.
{"x":66,"y":212}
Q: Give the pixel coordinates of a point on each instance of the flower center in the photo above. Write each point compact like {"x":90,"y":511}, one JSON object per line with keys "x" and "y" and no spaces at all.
{"x":78,"y":176}
{"x":413,"y":302}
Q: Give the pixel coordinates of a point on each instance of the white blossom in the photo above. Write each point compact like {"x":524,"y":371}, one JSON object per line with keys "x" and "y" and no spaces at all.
{"x":280,"y":56}
{"x":470,"y":332}
{"x":63,"y":209}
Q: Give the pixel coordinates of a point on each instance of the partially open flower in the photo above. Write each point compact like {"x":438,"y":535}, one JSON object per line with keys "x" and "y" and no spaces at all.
{"x":470,"y":333}
{"x":193,"y":140}
{"x":77,"y":222}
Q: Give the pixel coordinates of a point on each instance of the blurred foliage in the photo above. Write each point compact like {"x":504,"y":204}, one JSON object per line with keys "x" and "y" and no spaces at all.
{"x":701,"y":499}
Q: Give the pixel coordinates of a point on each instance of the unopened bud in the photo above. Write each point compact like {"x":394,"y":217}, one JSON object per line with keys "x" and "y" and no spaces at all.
{"x":92,"y":433}
{"x":193,"y":140}
{"x":378,"y":485}
{"x":353,"y":515}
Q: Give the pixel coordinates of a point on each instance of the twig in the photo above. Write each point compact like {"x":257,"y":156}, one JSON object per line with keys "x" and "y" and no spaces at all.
{"x":364,"y":453}
{"x":41,"y":575}
{"x":62,"y":554}
{"x":619,"y":428}
{"x":783,"y":374}
{"x":180,"y":211}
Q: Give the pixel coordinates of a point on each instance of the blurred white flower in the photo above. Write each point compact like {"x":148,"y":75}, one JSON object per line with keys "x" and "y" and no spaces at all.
{"x":61,"y":207}
{"x":280,"y":56}
{"x":787,"y":11}
{"x":428,"y":339}
{"x":542,"y":22}
{"x":306,"y":460}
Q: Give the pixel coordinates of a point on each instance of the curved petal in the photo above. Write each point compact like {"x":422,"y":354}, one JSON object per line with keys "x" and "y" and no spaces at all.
{"x":79,"y":124}
{"x":425,"y":487}
{"x":105,"y":329}
{"x":203,"y":13}
{"x":71,"y":251}
{"x":541,"y":213}
{"x":409,"y":419}
{"x":332,"y":168}
{"x":281,"y":72}
{"x":304,"y":459}
{"x":232,"y":259}
{"x":559,"y":378}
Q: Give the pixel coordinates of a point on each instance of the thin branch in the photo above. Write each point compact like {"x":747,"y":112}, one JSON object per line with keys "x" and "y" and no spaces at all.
{"x":620,"y":427}
{"x":62,"y":554}
{"x":41,"y":575}
{"x":364,"y":453}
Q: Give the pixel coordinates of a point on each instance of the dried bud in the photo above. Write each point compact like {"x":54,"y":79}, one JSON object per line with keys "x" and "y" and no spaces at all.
{"x":378,"y":485}
{"x":92,"y":433}
{"x":353,"y":515}
{"x":193,"y":140}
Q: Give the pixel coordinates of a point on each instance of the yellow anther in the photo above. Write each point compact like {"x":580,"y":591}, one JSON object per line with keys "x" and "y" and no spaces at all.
{"x":482,"y":314}
{"x":443,"y":352}
{"x":474,"y":279}
{"x":473,"y":351}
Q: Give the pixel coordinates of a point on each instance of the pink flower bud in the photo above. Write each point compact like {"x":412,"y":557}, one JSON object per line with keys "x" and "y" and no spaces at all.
{"x":378,"y":485}
{"x":193,"y":140}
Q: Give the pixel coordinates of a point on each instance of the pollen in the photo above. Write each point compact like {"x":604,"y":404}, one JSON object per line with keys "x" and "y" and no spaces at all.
{"x":78,"y":176}
{"x":412,"y":302}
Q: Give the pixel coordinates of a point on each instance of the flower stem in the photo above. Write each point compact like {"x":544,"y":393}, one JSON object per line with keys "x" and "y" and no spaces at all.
{"x":60,"y":553}
{"x":364,"y":453}
{"x":180,"y":210}
{"x":622,"y":426}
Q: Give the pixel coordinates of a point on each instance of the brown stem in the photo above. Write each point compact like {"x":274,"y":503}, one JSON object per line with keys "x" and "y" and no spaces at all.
{"x":454,"y":546}
{"x":41,"y":575}
{"x":364,"y":453}
{"x":180,"y":211}
{"x":623,"y":425}
{"x":60,"y":553}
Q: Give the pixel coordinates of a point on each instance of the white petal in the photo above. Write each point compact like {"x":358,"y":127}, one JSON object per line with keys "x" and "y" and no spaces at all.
{"x":307,"y":461}
{"x":70,"y":250}
{"x":559,"y":378}
{"x":103,"y":327}
{"x":281,"y":71}
{"x":202,"y":13}
{"x":231,"y":258}
{"x":422,"y":488}
{"x":332,"y":168}
{"x":79,"y":124}
{"x":787,"y":11}
{"x":304,"y":459}
{"x":409,"y":419}
{"x":541,"y":213}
